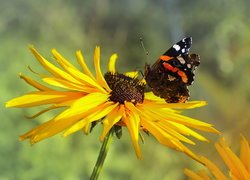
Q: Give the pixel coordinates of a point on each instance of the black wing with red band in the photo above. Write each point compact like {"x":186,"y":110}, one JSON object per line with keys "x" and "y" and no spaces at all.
{"x":170,"y":75}
{"x":180,"y":48}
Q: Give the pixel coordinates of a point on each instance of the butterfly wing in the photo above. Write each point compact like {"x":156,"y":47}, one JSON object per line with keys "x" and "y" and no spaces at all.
{"x":180,"y":48}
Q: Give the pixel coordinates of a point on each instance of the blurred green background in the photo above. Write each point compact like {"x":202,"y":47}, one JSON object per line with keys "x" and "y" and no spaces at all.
{"x":221,"y":35}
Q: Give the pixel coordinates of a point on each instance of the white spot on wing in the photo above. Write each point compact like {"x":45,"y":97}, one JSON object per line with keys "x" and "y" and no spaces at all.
{"x":176,"y":47}
{"x":183,"y":50}
{"x":189,"y":66}
{"x":181,"y":60}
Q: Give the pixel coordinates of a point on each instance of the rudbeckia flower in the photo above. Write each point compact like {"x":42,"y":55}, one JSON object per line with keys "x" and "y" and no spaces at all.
{"x":238,"y":167}
{"x":114,"y":100}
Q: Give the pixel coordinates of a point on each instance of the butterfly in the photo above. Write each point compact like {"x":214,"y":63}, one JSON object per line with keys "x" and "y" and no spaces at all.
{"x":170,"y":76}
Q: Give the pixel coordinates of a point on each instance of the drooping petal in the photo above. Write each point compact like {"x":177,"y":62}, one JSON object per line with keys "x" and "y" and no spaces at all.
{"x":164,"y":122}
{"x":80,"y":109}
{"x":171,"y":131}
{"x":43,"y":111}
{"x":34,"y":83}
{"x":111,"y":119}
{"x":47,"y":129}
{"x":166,"y":139}
{"x":82,"y":105}
{"x":187,"y":131}
{"x":165,"y":125}
{"x":100,"y":112}
{"x":162,"y":136}
{"x":172,"y":116}
{"x":32,"y":133}
{"x":132,"y":121}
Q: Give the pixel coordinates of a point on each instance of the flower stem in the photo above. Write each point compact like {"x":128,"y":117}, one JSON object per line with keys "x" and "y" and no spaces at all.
{"x":102,"y":155}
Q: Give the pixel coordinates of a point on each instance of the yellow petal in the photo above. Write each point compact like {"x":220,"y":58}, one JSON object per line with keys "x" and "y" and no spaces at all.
{"x":34,"y":83}
{"x":64,"y":120}
{"x":55,"y":71}
{"x":68,"y":85}
{"x":82,"y":63}
{"x":245,"y":153}
{"x":66,"y":103}
{"x":231,"y":160}
{"x":111,"y":119}
{"x":99,"y":76}
{"x":86,"y":80}
{"x":132,"y":121}
{"x":111,"y":65}
{"x":162,"y":136}
{"x":86,"y":128}
{"x":83,"y":105}
{"x":166,"y":139}
{"x":42,"y":98}
{"x":162,"y":104}
{"x":143,"y":81}
{"x":203,"y":174}
{"x":30,"y":134}
{"x":187,"y":131}
{"x":74,"y":72}
{"x":64,"y":63}
{"x":150,"y":96}
{"x":170,"y":126}
{"x":100,"y":112}
{"x":192,"y":175}
{"x":41,"y":112}
{"x":47,"y":129}
{"x":132,"y":74}
{"x":213,"y":168}
{"x":167,"y":126}
{"x":172,"y":116}
{"x":193,"y":123}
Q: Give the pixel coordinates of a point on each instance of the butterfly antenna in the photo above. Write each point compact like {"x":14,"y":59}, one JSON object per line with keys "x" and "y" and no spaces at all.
{"x":142,"y":44}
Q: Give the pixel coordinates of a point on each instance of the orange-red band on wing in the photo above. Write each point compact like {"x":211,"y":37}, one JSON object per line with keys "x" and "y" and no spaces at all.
{"x":165,"y":58}
{"x":183,"y":76}
{"x":179,"y":72}
{"x":169,"y":67}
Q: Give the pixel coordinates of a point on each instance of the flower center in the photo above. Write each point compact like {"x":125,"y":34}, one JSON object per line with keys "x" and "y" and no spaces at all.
{"x":125,"y":88}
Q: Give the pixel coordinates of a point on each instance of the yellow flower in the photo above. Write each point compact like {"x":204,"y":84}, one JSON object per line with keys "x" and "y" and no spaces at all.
{"x":239,"y":167}
{"x":114,"y":100}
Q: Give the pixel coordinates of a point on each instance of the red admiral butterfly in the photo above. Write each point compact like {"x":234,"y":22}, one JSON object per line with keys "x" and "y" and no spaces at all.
{"x":170,"y":76}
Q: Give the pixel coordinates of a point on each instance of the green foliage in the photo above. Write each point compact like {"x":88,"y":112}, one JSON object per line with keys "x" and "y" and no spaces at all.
{"x":221,"y":35}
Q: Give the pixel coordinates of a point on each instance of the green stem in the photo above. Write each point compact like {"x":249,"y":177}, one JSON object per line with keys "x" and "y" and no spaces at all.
{"x":102,"y":155}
